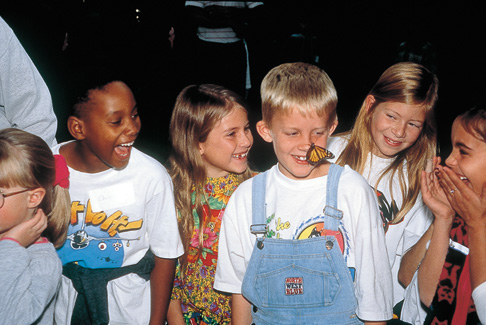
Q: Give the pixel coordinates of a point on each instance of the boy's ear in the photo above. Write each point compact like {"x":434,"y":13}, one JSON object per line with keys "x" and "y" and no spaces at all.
{"x":333,"y":127}
{"x":35,"y":197}
{"x":264,"y":131}
{"x":76,"y":127}
{"x":369,"y":101}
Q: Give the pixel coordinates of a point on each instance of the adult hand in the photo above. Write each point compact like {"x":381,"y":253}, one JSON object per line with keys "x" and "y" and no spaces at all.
{"x":29,"y":231}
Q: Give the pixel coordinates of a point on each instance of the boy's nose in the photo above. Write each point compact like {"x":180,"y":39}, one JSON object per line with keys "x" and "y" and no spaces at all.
{"x":308,"y":141}
{"x":133,"y":127}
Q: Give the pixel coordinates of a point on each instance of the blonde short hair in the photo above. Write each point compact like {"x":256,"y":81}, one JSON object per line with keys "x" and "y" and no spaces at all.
{"x":300,"y":86}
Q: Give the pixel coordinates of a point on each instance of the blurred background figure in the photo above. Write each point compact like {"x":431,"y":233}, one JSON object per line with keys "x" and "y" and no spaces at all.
{"x":221,"y":52}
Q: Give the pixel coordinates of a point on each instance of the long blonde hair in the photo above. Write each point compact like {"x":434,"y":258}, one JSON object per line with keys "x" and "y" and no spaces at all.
{"x":408,"y":83}
{"x":197,"y":110}
{"x":27,"y":161}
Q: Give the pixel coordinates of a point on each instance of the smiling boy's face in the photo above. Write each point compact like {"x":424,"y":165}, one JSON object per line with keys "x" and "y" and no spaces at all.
{"x":109,"y":128}
{"x":292,"y":135}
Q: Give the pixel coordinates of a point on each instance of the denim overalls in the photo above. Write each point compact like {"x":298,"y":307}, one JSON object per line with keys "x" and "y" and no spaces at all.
{"x":299,"y":281}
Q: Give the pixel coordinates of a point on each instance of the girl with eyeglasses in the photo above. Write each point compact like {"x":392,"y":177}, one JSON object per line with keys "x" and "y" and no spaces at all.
{"x":34,"y":215}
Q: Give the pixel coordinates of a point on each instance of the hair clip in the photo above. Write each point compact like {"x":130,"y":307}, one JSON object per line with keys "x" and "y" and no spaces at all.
{"x":62,"y":172}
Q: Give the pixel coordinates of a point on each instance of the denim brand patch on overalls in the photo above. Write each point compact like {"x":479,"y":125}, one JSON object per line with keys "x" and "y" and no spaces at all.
{"x":299,"y":281}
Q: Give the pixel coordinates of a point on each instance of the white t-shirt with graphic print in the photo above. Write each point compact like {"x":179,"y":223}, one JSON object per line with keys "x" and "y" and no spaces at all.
{"x":116,"y":216}
{"x":399,"y":237}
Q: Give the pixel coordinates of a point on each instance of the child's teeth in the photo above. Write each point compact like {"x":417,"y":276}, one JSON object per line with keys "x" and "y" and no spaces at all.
{"x":127,"y":144}
{"x":463,"y":178}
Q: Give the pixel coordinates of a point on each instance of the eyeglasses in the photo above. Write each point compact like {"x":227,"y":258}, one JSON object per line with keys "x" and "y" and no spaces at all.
{"x":3,"y":196}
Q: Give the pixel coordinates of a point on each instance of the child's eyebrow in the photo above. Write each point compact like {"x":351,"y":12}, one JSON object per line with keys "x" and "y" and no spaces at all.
{"x":230,"y":129}
{"x":412,"y":119}
{"x":462,"y":145}
{"x":117,"y":111}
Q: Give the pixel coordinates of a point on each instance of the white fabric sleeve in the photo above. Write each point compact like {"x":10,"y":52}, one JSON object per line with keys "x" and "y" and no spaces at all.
{"x":235,"y":241}
{"x":479,"y":297}
{"x":199,"y":4}
{"x":412,"y":309}
{"x":373,"y":276}
{"x":417,"y":225}
{"x":162,"y":228}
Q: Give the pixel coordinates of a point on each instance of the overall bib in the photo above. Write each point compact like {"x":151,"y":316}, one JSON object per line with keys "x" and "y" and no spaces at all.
{"x":299,"y":281}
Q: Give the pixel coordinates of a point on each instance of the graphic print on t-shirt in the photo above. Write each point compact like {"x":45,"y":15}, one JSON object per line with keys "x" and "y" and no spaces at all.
{"x":94,"y":238}
{"x":387,"y":211}
{"x":315,"y":227}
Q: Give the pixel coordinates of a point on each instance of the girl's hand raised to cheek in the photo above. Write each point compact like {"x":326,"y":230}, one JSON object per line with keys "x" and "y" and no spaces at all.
{"x":434,"y":195}
{"x":28,"y":232}
{"x":471,"y":206}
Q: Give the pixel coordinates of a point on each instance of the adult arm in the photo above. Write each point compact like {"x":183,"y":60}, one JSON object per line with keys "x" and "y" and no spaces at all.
{"x":25,"y":100}
{"x":161,"y":280}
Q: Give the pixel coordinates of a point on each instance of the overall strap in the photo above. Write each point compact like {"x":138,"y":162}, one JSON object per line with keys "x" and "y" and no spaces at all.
{"x":259,"y":223}
{"x":331,"y":209}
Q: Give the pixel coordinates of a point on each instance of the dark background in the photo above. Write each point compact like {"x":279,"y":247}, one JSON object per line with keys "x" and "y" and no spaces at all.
{"x":353,"y":41}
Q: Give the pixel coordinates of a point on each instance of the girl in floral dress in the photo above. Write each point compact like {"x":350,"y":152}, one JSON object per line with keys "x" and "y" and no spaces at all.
{"x":211,"y":138}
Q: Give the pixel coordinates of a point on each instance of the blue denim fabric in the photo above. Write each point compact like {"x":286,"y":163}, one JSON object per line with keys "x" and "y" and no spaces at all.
{"x":299,"y":281}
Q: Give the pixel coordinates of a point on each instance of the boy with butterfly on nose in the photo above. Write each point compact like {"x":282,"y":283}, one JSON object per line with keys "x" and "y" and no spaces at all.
{"x":303,"y":242}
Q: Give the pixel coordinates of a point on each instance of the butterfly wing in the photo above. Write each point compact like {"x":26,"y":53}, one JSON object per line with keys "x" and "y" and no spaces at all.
{"x":316,"y":155}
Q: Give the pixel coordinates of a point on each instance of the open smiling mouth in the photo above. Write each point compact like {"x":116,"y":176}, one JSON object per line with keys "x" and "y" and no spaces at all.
{"x":240,"y":156}
{"x":123,"y":150}
{"x":392,"y":142}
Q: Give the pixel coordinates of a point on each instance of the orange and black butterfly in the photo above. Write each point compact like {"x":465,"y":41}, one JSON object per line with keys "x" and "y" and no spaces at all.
{"x":316,"y":155}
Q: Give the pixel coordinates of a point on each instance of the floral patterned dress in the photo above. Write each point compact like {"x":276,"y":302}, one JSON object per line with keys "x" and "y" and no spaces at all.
{"x":200,"y":303}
